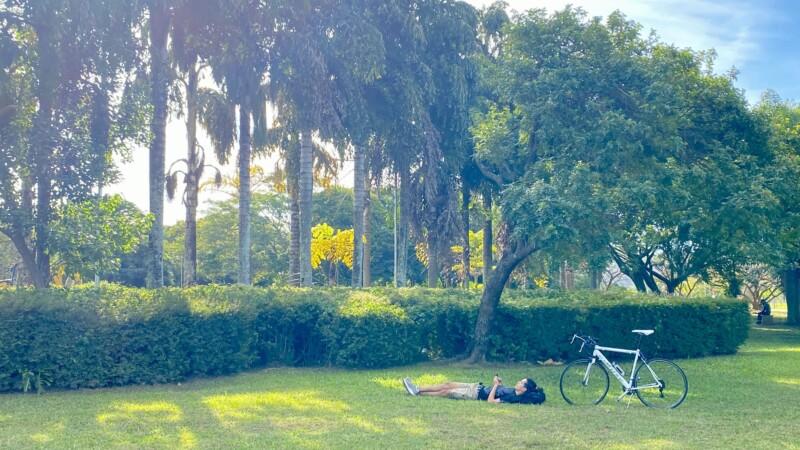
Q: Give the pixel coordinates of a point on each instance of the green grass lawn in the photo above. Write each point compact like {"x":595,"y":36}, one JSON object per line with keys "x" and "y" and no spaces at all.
{"x":750,"y":400}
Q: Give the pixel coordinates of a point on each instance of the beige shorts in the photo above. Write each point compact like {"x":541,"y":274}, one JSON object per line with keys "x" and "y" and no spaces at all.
{"x":464,"y":391}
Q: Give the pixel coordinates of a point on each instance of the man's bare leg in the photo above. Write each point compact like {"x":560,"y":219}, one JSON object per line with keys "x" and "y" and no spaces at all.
{"x":442,"y":393}
{"x":436,"y":387}
{"x":438,"y":390}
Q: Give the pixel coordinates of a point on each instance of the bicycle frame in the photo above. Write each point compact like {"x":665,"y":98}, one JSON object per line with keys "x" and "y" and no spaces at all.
{"x":629,"y":386}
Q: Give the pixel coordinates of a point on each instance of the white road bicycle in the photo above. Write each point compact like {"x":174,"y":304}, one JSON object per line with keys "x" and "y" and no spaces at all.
{"x":658,"y":382}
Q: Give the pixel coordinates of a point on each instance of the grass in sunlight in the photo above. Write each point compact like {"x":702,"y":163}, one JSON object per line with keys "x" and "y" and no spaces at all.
{"x":748,"y":400}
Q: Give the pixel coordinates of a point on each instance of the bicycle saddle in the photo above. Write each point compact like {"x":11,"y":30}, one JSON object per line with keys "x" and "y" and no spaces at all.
{"x":643,"y":332}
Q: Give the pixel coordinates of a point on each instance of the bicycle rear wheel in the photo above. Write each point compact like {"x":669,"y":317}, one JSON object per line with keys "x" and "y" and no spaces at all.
{"x":584,"y":383}
{"x":660,"y":383}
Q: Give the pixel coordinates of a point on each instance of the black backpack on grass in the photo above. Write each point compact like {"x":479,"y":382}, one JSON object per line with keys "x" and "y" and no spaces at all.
{"x":534,"y":395}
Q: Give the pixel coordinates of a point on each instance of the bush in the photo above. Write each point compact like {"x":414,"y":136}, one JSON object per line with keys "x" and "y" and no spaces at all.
{"x":113,"y":336}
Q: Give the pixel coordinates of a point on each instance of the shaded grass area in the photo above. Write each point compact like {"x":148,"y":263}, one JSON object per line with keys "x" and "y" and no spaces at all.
{"x":749,"y":400}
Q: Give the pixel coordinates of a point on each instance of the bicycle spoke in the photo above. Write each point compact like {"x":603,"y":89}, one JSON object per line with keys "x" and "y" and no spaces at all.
{"x":584,"y":384}
{"x":661,"y":384}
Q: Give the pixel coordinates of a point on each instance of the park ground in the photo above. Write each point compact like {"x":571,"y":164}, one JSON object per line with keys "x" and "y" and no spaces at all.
{"x":747,"y":400}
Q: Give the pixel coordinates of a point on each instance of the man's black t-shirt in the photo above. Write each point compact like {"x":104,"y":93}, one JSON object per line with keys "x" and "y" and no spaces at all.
{"x":509,"y":395}
{"x":504,"y":394}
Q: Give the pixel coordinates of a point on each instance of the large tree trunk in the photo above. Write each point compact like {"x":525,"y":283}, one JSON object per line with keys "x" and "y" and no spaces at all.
{"x":100,"y":128}
{"x":433,"y":260}
{"x":493,"y":289}
{"x":194,"y":170}
{"x":791,"y":289}
{"x":403,"y":226}
{"x":159,"y":26}
{"x":42,"y":139}
{"x":359,"y":183}
{"x":306,"y":186}
{"x":18,"y":233}
{"x":638,"y":281}
{"x":595,"y":278}
{"x":465,"y":198}
{"x":487,"y":235}
{"x":567,"y":276}
{"x":635,"y":272}
{"x":650,"y":281}
{"x":28,"y":259}
{"x":244,"y":194}
{"x":367,"y":270}
{"x":734,"y":286}
{"x":42,"y":228}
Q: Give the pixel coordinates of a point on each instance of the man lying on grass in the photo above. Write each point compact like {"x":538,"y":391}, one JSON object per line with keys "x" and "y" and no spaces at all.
{"x":525,"y":391}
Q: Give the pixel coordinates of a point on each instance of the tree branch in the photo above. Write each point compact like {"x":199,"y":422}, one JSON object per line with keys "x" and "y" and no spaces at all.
{"x":497,"y":179}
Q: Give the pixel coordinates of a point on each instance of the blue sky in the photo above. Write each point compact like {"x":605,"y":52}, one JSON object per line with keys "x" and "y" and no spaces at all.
{"x":759,"y":38}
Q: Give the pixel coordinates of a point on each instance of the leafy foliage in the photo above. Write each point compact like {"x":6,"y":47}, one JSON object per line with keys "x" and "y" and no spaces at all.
{"x":218,"y":259}
{"x":90,"y":237}
{"x":111,"y":336}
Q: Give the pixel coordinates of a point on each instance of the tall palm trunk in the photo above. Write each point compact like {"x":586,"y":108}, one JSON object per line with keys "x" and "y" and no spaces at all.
{"x":192,"y":183}
{"x":244,"y":194}
{"x":403,"y":228}
{"x":487,"y":236}
{"x":294,"y":230}
{"x":159,"y":26}
{"x":292,"y":188}
{"x":359,"y":184}
{"x":306,"y":185}
{"x":465,"y":220}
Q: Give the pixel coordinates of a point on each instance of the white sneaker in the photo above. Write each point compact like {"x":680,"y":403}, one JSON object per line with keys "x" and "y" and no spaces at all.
{"x":410,"y":387}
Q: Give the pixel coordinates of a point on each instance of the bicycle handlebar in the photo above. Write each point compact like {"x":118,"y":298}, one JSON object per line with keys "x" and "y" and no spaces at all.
{"x":584,"y":340}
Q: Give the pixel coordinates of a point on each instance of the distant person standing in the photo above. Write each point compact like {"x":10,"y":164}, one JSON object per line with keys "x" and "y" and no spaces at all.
{"x":765,"y":311}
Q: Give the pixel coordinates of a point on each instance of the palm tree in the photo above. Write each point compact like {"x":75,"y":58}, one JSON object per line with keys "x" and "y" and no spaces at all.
{"x":193,"y":168}
{"x":286,"y":143}
{"x":160,"y":18}
{"x":187,"y":31}
{"x":359,"y":213}
{"x":240,"y":58}
{"x":329,"y":53}
{"x":217,"y":114}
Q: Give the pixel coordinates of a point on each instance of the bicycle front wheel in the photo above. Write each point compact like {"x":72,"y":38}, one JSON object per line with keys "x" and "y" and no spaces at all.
{"x":584,"y":382}
{"x":660,"y":383}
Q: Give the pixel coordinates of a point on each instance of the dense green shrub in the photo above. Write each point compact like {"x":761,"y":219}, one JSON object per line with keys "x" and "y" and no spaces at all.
{"x":110,"y":336}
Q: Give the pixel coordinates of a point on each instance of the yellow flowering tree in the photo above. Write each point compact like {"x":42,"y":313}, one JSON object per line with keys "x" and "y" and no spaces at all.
{"x":330,"y":249}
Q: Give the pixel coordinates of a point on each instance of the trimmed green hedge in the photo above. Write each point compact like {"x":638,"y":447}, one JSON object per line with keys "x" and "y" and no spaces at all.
{"x":114,"y":336}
